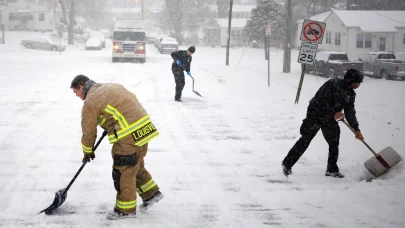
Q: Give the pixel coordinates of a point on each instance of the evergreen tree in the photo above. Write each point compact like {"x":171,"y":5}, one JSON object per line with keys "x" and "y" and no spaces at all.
{"x":266,"y":11}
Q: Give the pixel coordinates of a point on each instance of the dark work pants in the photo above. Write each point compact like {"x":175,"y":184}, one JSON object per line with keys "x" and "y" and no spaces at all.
{"x":309,"y":128}
{"x":179,"y":79}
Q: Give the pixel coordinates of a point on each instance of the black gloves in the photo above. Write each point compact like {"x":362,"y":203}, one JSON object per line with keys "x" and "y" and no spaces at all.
{"x":88,"y":156}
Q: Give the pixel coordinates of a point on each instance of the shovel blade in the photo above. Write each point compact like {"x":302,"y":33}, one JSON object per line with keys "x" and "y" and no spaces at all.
{"x":60,"y":197}
{"x":197,"y":93}
{"x":375,"y":165}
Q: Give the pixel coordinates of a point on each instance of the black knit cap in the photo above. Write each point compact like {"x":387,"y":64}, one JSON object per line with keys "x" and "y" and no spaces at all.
{"x":353,"y":76}
{"x":191,"y":49}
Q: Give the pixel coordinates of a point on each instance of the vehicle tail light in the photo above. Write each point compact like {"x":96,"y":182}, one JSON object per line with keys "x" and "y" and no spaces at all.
{"x":397,"y":68}
{"x":140,"y":48}
{"x":117,"y":46}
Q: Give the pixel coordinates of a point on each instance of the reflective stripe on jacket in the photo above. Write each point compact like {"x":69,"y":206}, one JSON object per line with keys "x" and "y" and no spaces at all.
{"x":116,"y":110}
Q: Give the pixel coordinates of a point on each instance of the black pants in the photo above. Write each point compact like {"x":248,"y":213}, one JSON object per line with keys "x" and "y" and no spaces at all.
{"x":179,"y":79}
{"x":309,"y":128}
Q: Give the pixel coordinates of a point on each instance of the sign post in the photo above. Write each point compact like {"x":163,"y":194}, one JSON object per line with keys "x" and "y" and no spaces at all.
{"x":268,"y":34}
{"x":312,"y":35}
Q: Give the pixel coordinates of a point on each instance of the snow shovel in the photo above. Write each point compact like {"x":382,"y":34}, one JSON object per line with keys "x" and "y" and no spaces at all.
{"x":60,"y":196}
{"x":193,"y":87}
{"x":381,"y":162}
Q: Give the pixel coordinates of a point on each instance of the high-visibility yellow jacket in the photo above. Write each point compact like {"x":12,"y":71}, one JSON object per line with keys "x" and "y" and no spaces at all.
{"x":117,"y":111}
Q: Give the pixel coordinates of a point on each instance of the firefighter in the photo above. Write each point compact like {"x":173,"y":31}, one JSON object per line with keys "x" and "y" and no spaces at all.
{"x":129,"y":129}
{"x":323,"y":112}
{"x":182,"y":60}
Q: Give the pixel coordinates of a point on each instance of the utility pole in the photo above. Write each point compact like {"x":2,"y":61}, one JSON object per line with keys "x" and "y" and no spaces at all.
{"x":228,"y":41}
{"x":287,"y":44}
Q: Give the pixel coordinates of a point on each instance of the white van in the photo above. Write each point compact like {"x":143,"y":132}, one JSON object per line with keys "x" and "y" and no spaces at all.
{"x":129,"y":41}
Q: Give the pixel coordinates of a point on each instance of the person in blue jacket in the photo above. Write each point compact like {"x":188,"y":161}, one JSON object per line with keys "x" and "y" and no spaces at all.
{"x":182,"y":60}
{"x":323,"y":112}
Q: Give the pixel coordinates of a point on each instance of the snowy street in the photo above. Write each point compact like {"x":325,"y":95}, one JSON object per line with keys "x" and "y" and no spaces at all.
{"x":217,"y":160}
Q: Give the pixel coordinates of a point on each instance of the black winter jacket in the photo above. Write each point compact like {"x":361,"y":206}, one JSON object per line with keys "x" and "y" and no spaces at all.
{"x":334,"y":96}
{"x":184,"y":59}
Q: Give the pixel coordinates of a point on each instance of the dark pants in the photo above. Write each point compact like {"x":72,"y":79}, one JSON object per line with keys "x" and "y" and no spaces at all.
{"x":309,"y":128}
{"x":179,"y":79}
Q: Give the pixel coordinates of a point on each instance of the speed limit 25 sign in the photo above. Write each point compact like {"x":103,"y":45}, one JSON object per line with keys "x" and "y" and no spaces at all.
{"x":307,"y":53}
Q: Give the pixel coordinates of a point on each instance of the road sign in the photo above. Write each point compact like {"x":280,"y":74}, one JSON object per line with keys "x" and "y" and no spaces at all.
{"x":307,"y":53}
{"x":268,"y":30}
{"x":312,"y":31}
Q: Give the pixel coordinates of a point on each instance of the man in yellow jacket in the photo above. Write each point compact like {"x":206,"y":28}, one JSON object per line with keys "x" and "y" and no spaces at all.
{"x":129,"y":129}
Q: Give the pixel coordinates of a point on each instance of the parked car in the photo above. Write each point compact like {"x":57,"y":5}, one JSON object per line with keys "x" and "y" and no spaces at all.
{"x":383,"y":65}
{"x":333,"y":64}
{"x":42,"y":42}
{"x":93,"y":44}
{"x":106,"y":33}
{"x":99,"y":36}
{"x":400,"y":55}
{"x":156,"y":42}
{"x":168,"y":44}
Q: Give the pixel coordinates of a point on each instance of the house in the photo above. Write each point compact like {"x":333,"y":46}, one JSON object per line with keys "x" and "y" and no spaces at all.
{"x":359,"y":32}
{"x":216,"y":33}
{"x":26,"y":16}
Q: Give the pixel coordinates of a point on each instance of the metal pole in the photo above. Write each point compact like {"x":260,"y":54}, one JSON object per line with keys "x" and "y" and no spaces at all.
{"x":268,"y":60}
{"x":297,"y":98}
{"x":228,"y":41}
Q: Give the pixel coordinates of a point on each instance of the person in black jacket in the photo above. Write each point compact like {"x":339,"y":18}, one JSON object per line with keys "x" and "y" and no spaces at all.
{"x":323,"y":112}
{"x":182,"y":60}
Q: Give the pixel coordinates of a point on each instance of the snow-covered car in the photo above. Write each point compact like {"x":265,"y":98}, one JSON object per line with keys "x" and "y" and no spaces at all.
{"x":106,"y":33}
{"x":99,"y":36}
{"x":168,"y":44}
{"x":93,"y":44}
{"x":42,"y":42}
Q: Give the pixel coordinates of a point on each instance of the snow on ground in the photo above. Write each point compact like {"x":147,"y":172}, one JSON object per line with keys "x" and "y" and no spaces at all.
{"x":218,"y":158}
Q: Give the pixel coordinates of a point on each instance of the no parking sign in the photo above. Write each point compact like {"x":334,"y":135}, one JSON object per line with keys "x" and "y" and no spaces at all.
{"x":312,"y":31}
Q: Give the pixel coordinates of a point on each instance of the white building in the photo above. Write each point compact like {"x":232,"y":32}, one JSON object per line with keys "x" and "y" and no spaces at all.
{"x":217,"y":33}
{"x":26,"y":16}
{"x":358,"y":32}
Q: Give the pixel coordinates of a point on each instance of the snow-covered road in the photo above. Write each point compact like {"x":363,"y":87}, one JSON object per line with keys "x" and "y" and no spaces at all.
{"x":218,"y":158}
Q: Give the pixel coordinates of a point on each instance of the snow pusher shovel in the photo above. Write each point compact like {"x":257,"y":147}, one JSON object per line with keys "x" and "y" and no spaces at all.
{"x":60,"y":196}
{"x":193,"y":87}
{"x":381,"y":162}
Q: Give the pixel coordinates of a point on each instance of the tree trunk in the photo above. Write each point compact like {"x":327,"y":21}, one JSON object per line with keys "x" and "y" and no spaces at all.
{"x":72,"y":14}
{"x":287,"y":44}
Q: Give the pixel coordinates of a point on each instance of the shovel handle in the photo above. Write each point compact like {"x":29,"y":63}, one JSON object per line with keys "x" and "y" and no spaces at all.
{"x":372,"y":151}
{"x":85,"y":162}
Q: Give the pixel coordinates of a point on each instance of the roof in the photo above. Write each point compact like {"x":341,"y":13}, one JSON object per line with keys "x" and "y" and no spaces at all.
{"x":319,"y":17}
{"x":17,"y":3}
{"x":236,"y":23}
{"x":372,"y":21}
{"x":366,"y":20}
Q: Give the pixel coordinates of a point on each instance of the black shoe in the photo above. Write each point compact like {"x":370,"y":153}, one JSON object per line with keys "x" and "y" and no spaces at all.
{"x":178,"y":100}
{"x":149,"y":203}
{"x":286,"y":171}
{"x":116,"y":214}
{"x":334,"y":174}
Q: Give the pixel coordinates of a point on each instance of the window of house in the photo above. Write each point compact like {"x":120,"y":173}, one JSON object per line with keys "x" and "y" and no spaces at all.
{"x":367,"y":40}
{"x":359,"y":41}
{"x":232,"y":33}
{"x":41,"y":17}
{"x":337,"y":38}
{"x":328,"y":37}
{"x":404,"y":39}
